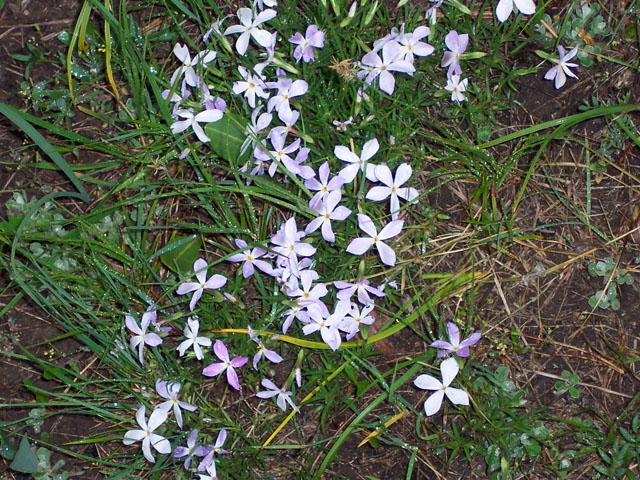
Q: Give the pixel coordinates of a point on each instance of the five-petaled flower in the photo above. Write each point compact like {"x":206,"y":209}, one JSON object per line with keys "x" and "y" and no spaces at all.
{"x":392,"y":61}
{"x":457,"y":87}
{"x":200,"y":268}
{"x":454,"y":345}
{"x":449,"y":369}
{"x":314,"y":38}
{"x":141,"y":337}
{"x":283,"y":396}
{"x":358,"y":246}
{"x":456,"y":44}
{"x":146,"y":435}
{"x":393,"y":187}
{"x":170,"y":391}
{"x":250,"y":259}
{"x":329,"y":209}
{"x":194,"y":121}
{"x":357,"y":163}
{"x":229,"y":365}
{"x":561,"y":70}
{"x":262,"y":350}
{"x":191,"y":333}
{"x":249,"y":28}
{"x":210,"y":451}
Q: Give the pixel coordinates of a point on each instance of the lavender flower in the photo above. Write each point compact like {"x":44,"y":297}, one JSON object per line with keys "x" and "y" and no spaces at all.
{"x":393,"y":187}
{"x":170,"y":392}
{"x":329,"y":210}
{"x":561,"y":70}
{"x":249,"y":28}
{"x":314,"y":38}
{"x":358,"y":246}
{"x":457,"y":87}
{"x":145,"y":433}
{"x":213,"y":283}
{"x":193,"y":340}
{"x":456,"y":44}
{"x":141,"y":337}
{"x":454,"y":345}
{"x":229,"y":365}
{"x":283,"y":396}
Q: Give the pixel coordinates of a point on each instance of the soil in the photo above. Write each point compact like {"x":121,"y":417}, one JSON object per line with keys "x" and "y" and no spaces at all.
{"x":535,"y":314}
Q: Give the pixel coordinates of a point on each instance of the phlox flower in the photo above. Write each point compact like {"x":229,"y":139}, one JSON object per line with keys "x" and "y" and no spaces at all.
{"x":307,"y":293}
{"x":194,"y":121}
{"x":355,"y":318}
{"x":212,"y":102}
{"x":457,"y":87}
{"x":210,"y":451}
{"x":170,"y":391}
{"x":141,"y":337}
{"x":432,"y":12}
{"x":357,"y":163}
{"x":289,"y":120}
{"x":322,"y":185}
{"x":328,"y":210}
{"x":392,"y":36}
{"x":251,"y":86}
{"x":249,"y":28}
{"x":327,"y":325}
{"x":296,"y":167}
{"x":313,"y":38}
{"x":561,"y":70}
{"x":358,"y":246}
{"x":454,"y":345}
{"x":215,"y":28}
{"x":297,"y":311}
{"x":214,"y":369}
{"x":449,"y":369}
{"x":287,"y":89}
{"x":188,"y":64}
{"x":505,"y":7}
{"x":193,"y":340}
{"x":392,"y":61}
{"x":288,"y":245}
{"x":283,"y":396}
{"x":456,"y":44}
{"x":361,"y":287}
{"x":146,"y":435}
{"x":262,"y":350}
{"x":190,"y":450}
{"x":411,"y":44}
{"x":250,"y":259}
{"x":213,"y":283}
{"x":393,"y":187}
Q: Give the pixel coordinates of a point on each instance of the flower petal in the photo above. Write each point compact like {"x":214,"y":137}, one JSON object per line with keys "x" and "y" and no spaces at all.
{"x":432,"y":404}
{"x":427,"y":382}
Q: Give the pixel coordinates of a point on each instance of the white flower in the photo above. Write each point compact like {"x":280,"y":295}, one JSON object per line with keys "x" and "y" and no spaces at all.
{"x":449,"y":369}
{"x":505,"y":7}
{"x":357,"y":163}
{"x":191,"y":333}
{"x":249,"y":28}
{"x":272,"y":391}
{"x":170,"y":392}
{"x":456,"y":87}
{"x":193,"y":121}
{"x":252,"y":86}
{"x":188,"y":64}
{"x":146,"y":435}
{"x":393,"y":187}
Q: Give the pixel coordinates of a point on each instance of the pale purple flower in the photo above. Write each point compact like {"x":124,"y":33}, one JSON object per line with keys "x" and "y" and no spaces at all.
{"x":215,"y":282}
{"x":411,"y":44}
{"x":210,"y":451}
{"x":358,"y":246}
{"x":193,"y":340}
{"x":190,"y":450}
{"x":505,"y":7}
{"x":287,"y":89}
{"x":288,"y":245}
{"x":327,"y":325}
{"x":289,"y":119}
{"x":456,"y":44}
{"x":170,"y":392}
{"x":392,"y":36}
{"x":314,"y":38}
{"x":249,"y":28}
{"x":449,"y":369}
{"x":391,"y":61}
{"x":352,"y":322}
{"x":561,"y":70}
{"x":212,"y":102}
{"x":303,"y":171}
{"x":328,"y":210}
{"x":250,"y":259}
{"x":308,"y":293}
{"x":457,"y":87}
{"x":280,"y":152}
{"x":323,"y":185}
{"x":188,"y":64}
{"x":283,"y":396}
{"x":194,"y":121}
{"x":251,"y":86}
{"x":393,"y":187}
{"x":262,"y":350}
{"x":361,"y":287}
{"x":357,"y":163}
{"x":297,"y":311}
{"x":454,"y":345}
{"x":214,"y":369}
{"x":142,"y":337}
{"x":432,"y":12}
{"x":146,"y":435}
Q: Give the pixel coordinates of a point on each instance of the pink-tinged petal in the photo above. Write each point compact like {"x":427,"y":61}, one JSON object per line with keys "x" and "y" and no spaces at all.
{"x":462,"y":352}
{"x":457,"y":396}
{"x":451,"y":39}
{"x":378,"y":193}
{"x":366,"y":225}
{"x":427,"y":382}
{"x":157,"y":418}
{"x":264,"y":266}
{"x":359,"y":245}
{"x":131,"y":324}
{"x":232,"y":378}
{"x":391,"y":230}
{"x":214,"y":369}
{"x":272,"y":356}
{"x":526,"y":7}
{"x":196,"y":296}
{"x":433,"y":403}
{"x":442,"y":345}
{"x":152,"y":339}
{"x":221,"y":351}
{"x":133,"y":436}
{"x":463,"y":42}
{"x":296,"y":39}
{"x":239,"y":362}
{"x":215,"y":282}
{"x":346,"y":155}
{"x":504,"y":9}
{"x":449,"y":369}
{"x":387,"y":82}
{"x":222,"y":437}
{"x":161,"y":444}
{"x":387,"y":255}
{"x":187,"y":287}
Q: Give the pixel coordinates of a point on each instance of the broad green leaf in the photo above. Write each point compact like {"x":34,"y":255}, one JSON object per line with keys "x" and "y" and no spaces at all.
{"x":227,"y":136}
{"x":25,"y":460}
{"x":180,"y":254}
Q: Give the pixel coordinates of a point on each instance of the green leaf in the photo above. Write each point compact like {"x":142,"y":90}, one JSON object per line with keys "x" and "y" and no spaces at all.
{"x":8,"y":449}
{"x":25,"y":460}
{"x":180,"y":254}
{"x":227,"y":136}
